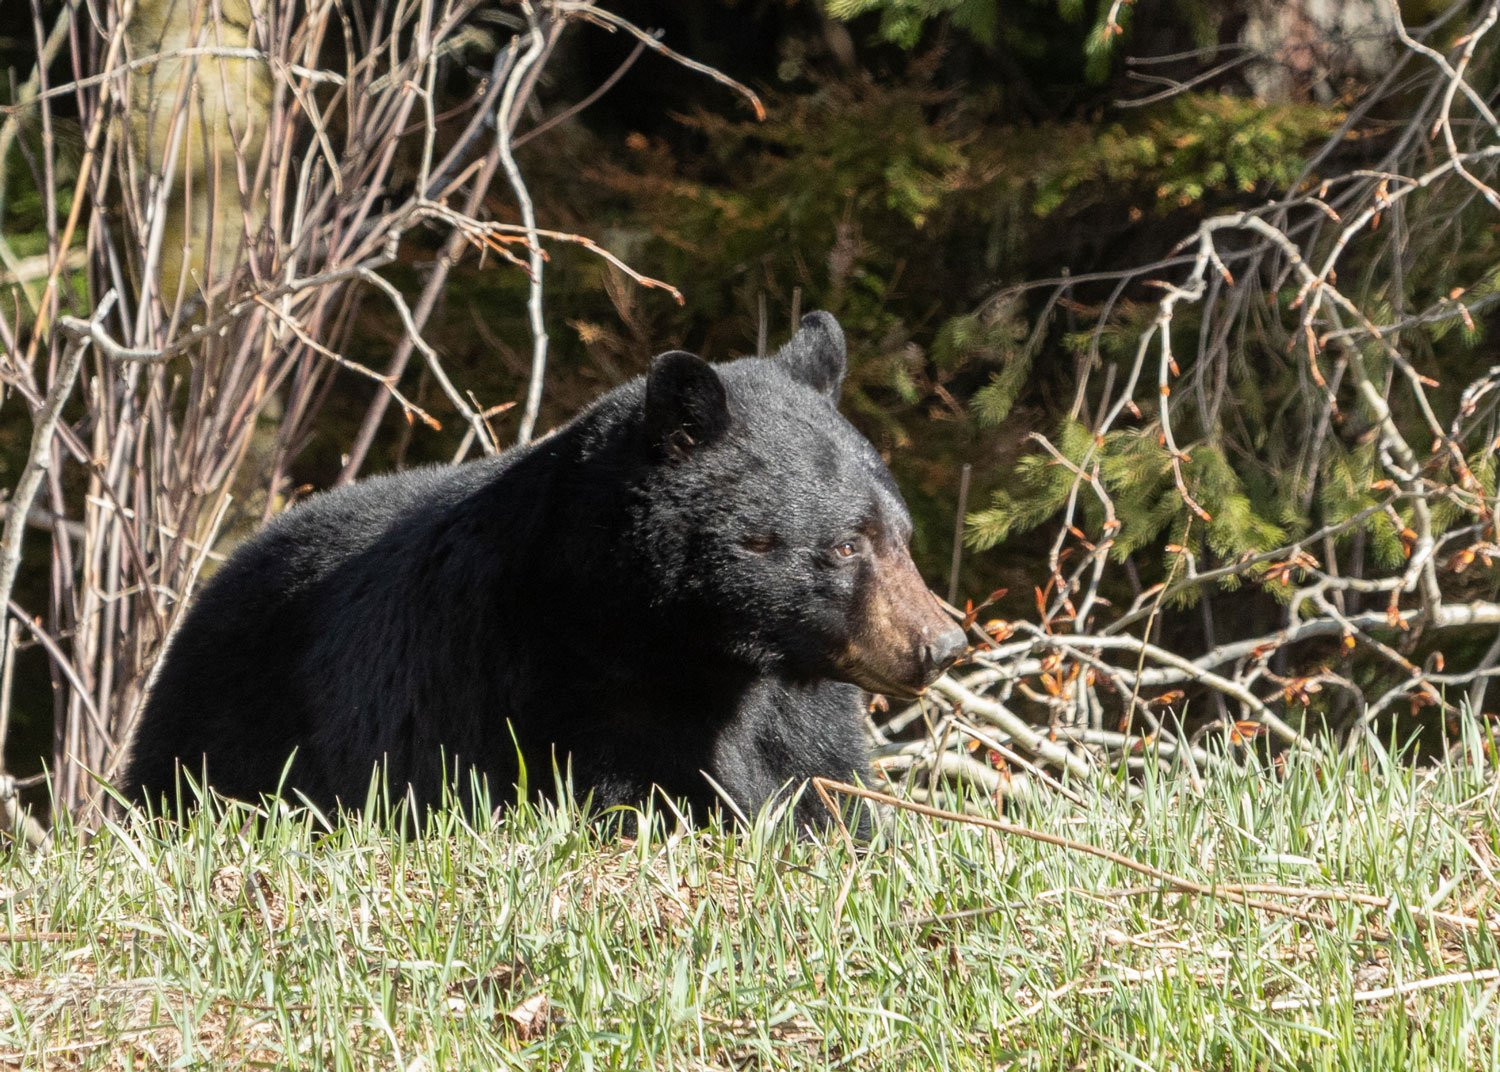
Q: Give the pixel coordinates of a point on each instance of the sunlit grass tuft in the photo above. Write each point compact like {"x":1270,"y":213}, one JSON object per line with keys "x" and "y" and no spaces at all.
{"x":245,"y":939}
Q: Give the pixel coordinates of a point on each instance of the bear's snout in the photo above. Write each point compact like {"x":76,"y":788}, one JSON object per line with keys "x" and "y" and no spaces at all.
{"x":903,"y":637}
{"x":942,"y":651}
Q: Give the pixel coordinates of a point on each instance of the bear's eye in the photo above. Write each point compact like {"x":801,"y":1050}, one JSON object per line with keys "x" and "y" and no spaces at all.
{"x":761,"y":543}
{"x":845,"y":549}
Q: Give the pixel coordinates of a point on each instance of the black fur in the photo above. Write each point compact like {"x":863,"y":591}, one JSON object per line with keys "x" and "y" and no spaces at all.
{"x":647,"y":595}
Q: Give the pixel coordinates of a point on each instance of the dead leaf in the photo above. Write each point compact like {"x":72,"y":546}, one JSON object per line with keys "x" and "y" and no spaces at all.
{"x":531,"y":1017}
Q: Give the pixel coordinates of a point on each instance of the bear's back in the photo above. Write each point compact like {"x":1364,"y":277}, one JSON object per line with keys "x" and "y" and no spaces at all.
{"x":229,"y":685}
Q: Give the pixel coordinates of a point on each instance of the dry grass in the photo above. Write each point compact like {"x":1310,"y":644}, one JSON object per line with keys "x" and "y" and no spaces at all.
{"x":536,"y":942}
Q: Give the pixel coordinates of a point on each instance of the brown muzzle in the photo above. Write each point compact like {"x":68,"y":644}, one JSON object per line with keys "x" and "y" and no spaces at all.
{"x":903,"y":638}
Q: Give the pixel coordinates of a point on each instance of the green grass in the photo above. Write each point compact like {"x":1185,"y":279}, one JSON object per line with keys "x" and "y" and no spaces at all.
{"x":535,"y":942}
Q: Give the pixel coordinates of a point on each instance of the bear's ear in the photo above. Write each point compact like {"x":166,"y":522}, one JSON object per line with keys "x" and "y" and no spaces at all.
{"x":686,"y":407}
{"x":816,"y":355}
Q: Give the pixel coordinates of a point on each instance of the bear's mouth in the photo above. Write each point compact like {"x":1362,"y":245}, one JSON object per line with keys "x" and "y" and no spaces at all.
{"x":871,"y":680}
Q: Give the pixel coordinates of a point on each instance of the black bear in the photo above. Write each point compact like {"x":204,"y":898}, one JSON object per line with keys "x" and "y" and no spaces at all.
{"x":686,"y":587}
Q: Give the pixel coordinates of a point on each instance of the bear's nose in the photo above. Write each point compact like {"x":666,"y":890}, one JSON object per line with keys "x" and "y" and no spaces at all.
{"x":940,"y":652}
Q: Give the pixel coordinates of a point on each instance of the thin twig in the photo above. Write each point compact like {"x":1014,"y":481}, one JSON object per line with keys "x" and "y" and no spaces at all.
{"x":1251,"y":895}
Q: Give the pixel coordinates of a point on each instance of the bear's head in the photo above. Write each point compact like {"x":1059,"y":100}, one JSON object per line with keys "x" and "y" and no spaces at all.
{"x":774,"y":523}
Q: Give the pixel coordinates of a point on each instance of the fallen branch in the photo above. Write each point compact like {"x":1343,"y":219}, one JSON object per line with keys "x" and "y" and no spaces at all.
{"x":1251,"y":895}
{"x":1484,"y":975}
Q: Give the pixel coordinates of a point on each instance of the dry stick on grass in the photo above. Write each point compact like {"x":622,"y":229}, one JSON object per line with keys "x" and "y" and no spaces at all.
{"x":1251,"y":895}
{"x":1483,"y":975}
{"x":38,"y":936}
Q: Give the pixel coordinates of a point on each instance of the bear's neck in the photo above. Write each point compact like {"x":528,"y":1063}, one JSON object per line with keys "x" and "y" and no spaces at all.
{"x":567,"y":512}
